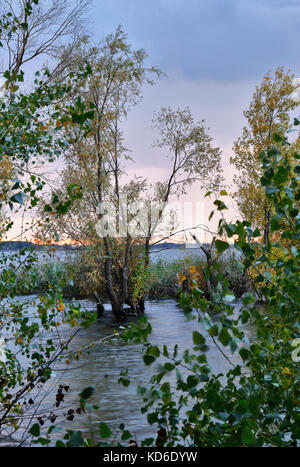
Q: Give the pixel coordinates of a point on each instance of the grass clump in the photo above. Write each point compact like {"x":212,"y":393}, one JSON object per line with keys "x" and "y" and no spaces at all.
{"x":75,"y":277}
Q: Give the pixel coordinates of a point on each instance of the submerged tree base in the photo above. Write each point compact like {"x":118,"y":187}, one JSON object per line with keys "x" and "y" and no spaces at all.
{"x":122,"y":312}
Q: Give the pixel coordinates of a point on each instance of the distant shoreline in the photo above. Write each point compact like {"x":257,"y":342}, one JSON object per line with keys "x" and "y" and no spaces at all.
{"x":19,"y":245}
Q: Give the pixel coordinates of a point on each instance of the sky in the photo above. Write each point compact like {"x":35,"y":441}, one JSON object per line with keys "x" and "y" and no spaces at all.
{"x":214,"y":53}
{"x":226,"y":40}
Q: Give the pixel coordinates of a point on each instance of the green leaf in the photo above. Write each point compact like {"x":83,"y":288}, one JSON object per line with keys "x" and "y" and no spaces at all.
{"x":78,"y":118}
{"x":247,"y":436}
{"x":60,"y":444}
{"x":105,"y":432}
{"x":148,"y":442}
{"x":192,"y":381}
{"x":275,"y":223}
{"x":213,"y":331}
{"x":153,"y":350}
{"x":126,"y":435}
{"x":198,"y":339}
{"x":169,"y":366}
{"x":47,"y":208}
{"x":245,"y":354}
{"x":220,"y":205}
{"x":90,"y":115}
{"x":224,"y":336}
{"x":89,"y":70}
{"x":152,"y":418}
{"x":148,"y":359}
{"x":17,"y":185}
{"x":277,"y":138}
{"x":87,"y":392}
{"x":245,"y":316}
{"x":42,"y":441}
{"x":35,"y":430}
{"x":76,"y":439}
{"x":221,"y":246}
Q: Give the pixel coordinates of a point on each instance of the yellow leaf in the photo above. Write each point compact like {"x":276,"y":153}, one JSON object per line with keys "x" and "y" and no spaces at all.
{"x":182,"y":278}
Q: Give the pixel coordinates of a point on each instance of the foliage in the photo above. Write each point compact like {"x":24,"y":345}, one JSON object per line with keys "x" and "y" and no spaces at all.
{"x":190,"y":149}
{"x":37,"y":30}
{"x":257,"y":402}
{"x":79,"y":278}
{"x":33,"y":344}
{"x":268,"y":113}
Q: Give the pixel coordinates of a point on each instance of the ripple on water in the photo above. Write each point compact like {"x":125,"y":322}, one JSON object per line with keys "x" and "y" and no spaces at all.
{"x":102,"y":367}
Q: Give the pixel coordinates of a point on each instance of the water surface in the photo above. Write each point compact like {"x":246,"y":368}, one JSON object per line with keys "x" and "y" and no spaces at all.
{"x":101,"y":369}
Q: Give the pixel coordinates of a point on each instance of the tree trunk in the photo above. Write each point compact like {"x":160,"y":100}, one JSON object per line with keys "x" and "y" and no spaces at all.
{"x":209,"y":260}
{"x":116,"y":305}
{"x":147,"y":252}
{"x":267,"y":225}
{"x":100,"y":306}
{"x":124,"y":270}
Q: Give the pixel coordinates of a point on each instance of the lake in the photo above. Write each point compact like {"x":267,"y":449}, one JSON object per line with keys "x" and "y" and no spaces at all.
{"x":102,"y":367}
